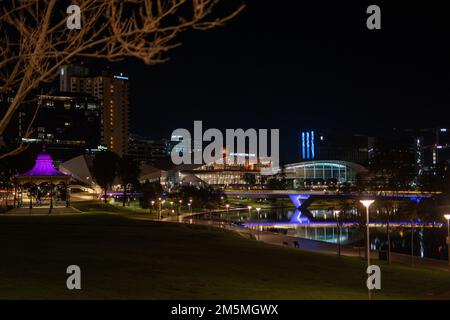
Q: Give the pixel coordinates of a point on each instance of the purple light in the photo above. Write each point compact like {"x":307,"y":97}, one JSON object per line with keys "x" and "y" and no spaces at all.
{"x":298,"y":199}
{"x":43,"y":167}
{"x":343,"y":224}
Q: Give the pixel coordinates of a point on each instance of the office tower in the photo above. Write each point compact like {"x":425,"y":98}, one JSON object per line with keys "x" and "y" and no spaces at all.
{"x":69,"y":74}
{"x":67,"y":123}
{"x":148,"y":150}
{"x":112,"y":92}
{"x":333,"y":145}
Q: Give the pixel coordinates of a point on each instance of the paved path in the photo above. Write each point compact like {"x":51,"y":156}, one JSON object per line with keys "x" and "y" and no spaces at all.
{"x":307,"y":244}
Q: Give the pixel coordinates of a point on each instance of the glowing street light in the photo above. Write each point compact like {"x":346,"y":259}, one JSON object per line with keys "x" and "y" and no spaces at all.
{"x":447,"y":217}
{"x":249,"y":212}
{"x":153,"y":204}
{"x":179,"y":206}
{"x":257,"y":211}
{"x":367,"y":203}
{"x":227,"y":206}
{"x":190,"y":207}
{"x":336,"y":215}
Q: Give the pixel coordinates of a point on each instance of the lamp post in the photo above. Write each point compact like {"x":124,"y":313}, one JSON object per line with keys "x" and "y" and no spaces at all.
{"x":412,"y":243}
{"x":336,"y":214}
{"x":160,"y":211}
{"x":159,"y":207}
{"x":257,"y":211}
{"x":249,"y":212}
{"x":153,"y":203}
{"x":367,"y":203}
{"x":447,"y":217}
{"x":179,"y":206}
{"x":190,"y":207}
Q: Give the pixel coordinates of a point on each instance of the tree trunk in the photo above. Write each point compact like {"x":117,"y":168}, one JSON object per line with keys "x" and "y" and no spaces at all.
{"x":105,"y":196}
{"x":124,"y":195}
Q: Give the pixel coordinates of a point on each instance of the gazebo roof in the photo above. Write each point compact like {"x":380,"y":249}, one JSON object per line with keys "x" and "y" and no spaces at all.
{"x":43,"y":167}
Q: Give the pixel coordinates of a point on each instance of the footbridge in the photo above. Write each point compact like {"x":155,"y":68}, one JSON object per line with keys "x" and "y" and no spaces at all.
{"x":302,"y":199}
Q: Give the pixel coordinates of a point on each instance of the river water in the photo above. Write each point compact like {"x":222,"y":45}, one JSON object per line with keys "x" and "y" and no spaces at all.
{"x":427,"y":238}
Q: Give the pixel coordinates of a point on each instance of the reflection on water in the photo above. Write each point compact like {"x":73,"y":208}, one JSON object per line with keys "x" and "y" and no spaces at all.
{"x":315,"y":225}
{"x":428,"y":238}
{"x":327,"y":234}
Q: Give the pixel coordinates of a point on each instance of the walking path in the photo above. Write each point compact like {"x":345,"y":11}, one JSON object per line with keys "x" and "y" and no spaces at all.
{"x":307,"y":244}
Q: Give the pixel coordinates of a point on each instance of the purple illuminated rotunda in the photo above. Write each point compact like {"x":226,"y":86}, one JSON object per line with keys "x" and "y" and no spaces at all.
{"x":44,"y":183}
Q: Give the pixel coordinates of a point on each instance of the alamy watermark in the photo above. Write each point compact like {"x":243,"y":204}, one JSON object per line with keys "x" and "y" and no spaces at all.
{"x":189,"y":149}
{"x":374,"y":277}
{"x":373,"y":22}
{"x":73,"y":281}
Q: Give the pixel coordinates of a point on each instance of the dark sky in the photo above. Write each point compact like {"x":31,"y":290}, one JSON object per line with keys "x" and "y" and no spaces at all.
{"x":296,"y":65}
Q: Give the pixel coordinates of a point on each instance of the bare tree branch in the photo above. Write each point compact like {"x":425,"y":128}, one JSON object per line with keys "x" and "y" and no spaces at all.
{"x":35,"y":43}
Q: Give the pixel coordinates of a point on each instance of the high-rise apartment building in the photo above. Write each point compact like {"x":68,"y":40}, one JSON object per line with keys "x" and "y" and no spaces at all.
{"x":112,"y":92}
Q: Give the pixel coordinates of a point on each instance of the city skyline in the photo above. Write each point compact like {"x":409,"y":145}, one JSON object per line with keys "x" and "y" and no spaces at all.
{"x":224,"y":150}
{"x":322,"y":70}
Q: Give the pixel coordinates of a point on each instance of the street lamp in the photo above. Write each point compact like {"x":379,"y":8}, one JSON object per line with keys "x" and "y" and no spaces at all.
{"x":447,"y":217}
{"x":367,"y":203}
{"x":190,"y":207}
{"x":153,"y":203}
{"x":336,"y":214}
{"x":257,"y":211}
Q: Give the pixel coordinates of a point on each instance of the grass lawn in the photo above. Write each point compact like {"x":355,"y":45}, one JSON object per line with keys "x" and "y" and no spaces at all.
{"x":125,"y":258}
{"x":129,"y":211}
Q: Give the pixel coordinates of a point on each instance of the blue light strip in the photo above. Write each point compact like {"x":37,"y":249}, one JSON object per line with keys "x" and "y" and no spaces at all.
{"x":313,"y":152}
{"x":303,"y":146}
{"x":307,"y":146}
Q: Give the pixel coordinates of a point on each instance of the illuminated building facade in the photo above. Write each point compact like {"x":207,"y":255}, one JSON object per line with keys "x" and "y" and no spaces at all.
{"x":148,"y":150}
{"x":68,"y":124}
{"x":333,"y":144}
{"x":224,"y":172}
{"x":322,"y":173}
{"x":113,"y":94}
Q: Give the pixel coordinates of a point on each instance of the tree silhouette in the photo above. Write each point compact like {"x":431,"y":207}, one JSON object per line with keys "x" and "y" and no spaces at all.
{"x":35,"y":40}
{"x":128,"y":171}
{"x":249,"y":178}
{"x":105,"y":169}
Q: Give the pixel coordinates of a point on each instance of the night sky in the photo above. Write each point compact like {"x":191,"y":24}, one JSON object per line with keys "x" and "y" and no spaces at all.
{"x":295,"y":65}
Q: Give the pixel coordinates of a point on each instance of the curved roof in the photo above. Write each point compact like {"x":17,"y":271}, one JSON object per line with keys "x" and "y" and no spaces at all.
{"x":331,"y":163}
{"x":43,"y":167}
